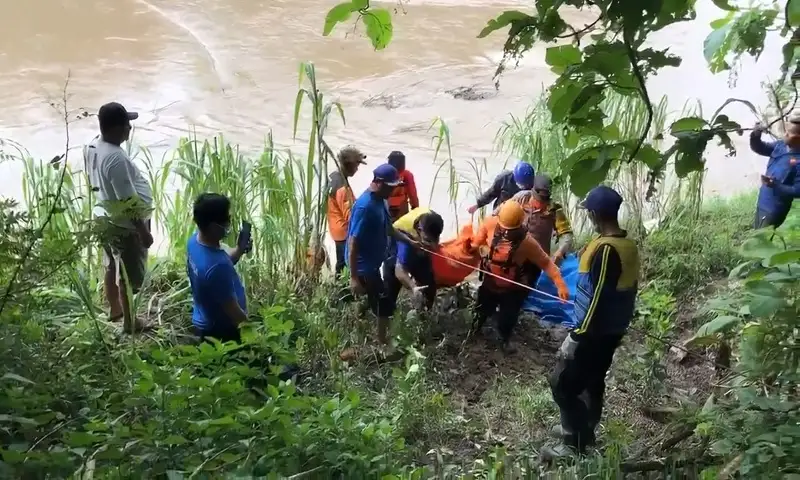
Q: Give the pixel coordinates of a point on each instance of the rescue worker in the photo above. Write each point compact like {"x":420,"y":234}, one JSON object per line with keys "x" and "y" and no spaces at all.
{"x":604,"y":307}
{"x":340,"y":200}
{"x":780,"y":184}
{"x":367,"y":243}
{"x":544,"y":218}
{"x":513,"y":256}
{"x":505,"y":186}
{"x":404,"y":194}
{"x":413,"y":268}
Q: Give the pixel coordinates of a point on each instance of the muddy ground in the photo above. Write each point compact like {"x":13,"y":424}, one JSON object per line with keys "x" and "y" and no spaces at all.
{"x":505,"y":399}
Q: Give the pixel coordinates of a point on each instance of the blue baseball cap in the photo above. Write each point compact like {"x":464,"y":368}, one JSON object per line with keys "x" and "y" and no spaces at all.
{"x":387,"y":175}
{"x":602,"y":199}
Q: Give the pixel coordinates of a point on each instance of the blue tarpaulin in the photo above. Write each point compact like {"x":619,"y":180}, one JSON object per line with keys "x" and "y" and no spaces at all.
{"x":551,"y":310}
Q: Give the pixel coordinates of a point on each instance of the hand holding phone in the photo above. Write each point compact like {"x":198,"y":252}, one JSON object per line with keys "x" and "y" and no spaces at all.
{"x":245,"y":242}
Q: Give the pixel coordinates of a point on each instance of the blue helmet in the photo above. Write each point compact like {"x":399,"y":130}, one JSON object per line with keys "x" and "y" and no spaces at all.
{"x":524,"y":174}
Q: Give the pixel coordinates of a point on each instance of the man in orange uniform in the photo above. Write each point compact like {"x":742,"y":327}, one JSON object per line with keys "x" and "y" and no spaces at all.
{"x":514,"y":256}
{"x":545,"y":218}
{"x":404,"y":194}
{"x":340,"y":200}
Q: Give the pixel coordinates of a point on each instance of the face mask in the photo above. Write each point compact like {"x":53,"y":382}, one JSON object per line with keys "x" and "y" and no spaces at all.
{"x":226,"y":230}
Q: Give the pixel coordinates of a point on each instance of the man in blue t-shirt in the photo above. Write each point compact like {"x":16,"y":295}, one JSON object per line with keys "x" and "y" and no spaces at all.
{"x":218,"y":299}
{"x":368,"y":242}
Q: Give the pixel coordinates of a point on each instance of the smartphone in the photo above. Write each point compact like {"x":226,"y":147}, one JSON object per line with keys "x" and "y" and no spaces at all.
{"x":245,"y":235}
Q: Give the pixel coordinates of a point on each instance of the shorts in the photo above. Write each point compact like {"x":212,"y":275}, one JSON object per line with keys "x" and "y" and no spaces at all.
{"x":377,"y":297}
{"x":127,"y":251}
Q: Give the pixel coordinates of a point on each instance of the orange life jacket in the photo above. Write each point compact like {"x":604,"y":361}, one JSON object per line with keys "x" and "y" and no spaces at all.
{"x":398,"y":202}
{"x":500,"y":261}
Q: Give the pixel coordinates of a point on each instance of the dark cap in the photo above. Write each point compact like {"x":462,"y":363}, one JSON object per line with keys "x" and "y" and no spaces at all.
{"x":114,"y":115}
{"x":387,"y":175}
{"x":542,"y":182}
{"x":603,"y":200}
{"x":351,"y":155}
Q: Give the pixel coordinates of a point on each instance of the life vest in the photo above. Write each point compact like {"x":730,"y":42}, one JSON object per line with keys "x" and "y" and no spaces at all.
{"x":398,"y":202}
{"x":611,"y":314}
{"x":500,"y":262}
{"x":540,"y":222}
{"x":407,"y":222}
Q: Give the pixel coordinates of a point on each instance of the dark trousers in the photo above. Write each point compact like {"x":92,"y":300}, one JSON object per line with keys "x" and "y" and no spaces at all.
{"x":583,"y":375}
{"x":391,"y":259}
{"x":422,"y":274}
{"x":766,"y":218}
{"x":226,"y":334}
{"x":506,"y":302}
{"x":341,"y":262}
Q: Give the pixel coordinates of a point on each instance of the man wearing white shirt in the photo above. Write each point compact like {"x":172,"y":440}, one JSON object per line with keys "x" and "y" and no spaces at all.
{"x":116,"y":179}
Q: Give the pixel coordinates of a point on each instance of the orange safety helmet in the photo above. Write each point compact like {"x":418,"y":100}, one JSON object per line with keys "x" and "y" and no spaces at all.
{"x":511,"y":215}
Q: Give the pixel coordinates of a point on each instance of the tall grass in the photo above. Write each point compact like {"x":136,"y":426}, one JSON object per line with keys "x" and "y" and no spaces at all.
{"x":534,"y":138}
{"x":280,"y":193}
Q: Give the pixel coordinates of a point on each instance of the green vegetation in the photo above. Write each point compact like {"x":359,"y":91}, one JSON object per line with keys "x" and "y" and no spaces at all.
{"x":617,"y":59}
{"x":79,"y":399}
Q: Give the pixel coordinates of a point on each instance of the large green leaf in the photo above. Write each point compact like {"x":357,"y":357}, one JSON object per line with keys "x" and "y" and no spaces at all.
{"x":379,"y":27}
{"x":720,"y":324}
{"x":562,"y":56}
{"x":562,"y":96}
{"x":794,"y":13}
{"x":690,"y":124}
{"x":589,"y":173}
{"x":724,"y":4}
{"x":503,"y":20}
{"x":337,"y":14}
{"x":762,"y":288}
{"x":759,"y":247}
{"x":765,"y":306}
{"x":785,"y":258}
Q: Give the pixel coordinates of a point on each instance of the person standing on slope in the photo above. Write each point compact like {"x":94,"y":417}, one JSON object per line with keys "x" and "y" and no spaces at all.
{"x":116,"y":179}
{"x":514,"y":260}
{"x":780,"y":184}
{"x":413,"y":268}
{"x":405,"y":193}
{"x":506,"y":185}
{"x":604,"y":307}
{"x":340,"y":200}
{"x":368,"y":242}
{"x":545,"y":218}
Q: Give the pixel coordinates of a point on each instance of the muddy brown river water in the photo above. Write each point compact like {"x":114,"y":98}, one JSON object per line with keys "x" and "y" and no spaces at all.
{"x":231,"y":66}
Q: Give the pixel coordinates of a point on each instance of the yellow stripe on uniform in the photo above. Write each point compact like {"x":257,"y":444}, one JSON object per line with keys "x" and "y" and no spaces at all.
{"x":597,"y":289}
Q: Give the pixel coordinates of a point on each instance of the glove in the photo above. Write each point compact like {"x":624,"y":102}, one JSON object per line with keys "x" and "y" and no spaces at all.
{"x":568,"y":347}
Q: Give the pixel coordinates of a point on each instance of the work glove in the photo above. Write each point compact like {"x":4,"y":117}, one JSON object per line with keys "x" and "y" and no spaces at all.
{"x":567,"y":349}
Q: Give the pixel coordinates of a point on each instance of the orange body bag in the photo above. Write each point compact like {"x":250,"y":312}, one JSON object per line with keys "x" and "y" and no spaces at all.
{"x":448,"y":273}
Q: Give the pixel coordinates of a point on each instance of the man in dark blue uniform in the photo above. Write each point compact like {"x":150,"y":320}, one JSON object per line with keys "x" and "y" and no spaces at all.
{"x":780,"y":184}
{"x":604,"y":307}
